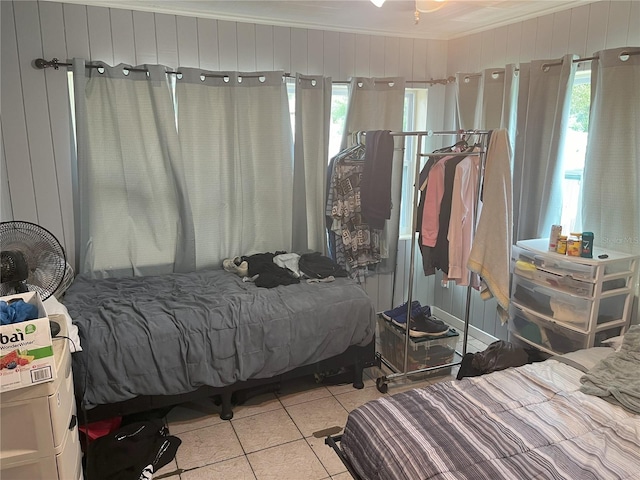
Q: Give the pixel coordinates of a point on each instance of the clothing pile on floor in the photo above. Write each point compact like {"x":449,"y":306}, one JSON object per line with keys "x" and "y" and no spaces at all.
{"x":270,"y":270}
{"x":421,"y":322}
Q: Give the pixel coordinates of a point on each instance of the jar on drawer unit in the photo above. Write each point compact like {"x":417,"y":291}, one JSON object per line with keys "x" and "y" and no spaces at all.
{"x":574,"y":244}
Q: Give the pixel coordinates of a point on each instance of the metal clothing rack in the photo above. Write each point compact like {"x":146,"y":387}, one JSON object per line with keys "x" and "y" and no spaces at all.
{"x":382,"y":382}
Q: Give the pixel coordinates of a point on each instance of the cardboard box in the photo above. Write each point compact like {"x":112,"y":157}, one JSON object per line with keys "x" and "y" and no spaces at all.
{"x":26,"y":349}
{"x":423,"y":352}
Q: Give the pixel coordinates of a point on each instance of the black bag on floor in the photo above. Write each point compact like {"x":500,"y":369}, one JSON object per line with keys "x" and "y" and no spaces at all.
{"x":498,"y":356}
{"x":133,"y":452}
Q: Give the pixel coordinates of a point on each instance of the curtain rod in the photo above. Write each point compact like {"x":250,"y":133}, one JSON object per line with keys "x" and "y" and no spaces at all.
{"x":41,"y":63}
{"x":588,"y":59}
{"x":430,"y":133}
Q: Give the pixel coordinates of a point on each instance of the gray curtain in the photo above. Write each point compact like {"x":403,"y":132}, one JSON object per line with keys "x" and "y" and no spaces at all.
{"x":611,"y":182}
{"x":543,"y":113}
{"x":311,"y":156}
{"x":532,"y":104}
{"x":611,"y":185}
{"x":468,"y":99}
{"x":131,"y":217}
{"x":378,"y":104}
{"x":486,"y":100}
{"x":236,"y":141}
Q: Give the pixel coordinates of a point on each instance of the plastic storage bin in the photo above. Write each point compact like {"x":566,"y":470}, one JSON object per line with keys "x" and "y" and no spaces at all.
{"x":565,"y":283}
{"x":423,"y":352}
{"x":542,"y":333}
{"x":552,"y":303}
{"x":552,"y":337}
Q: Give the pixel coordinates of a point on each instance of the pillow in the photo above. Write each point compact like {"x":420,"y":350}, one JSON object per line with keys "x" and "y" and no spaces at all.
{"x":586,"y":358}
{"x":614,"y":342}
{"x":54,"y":307}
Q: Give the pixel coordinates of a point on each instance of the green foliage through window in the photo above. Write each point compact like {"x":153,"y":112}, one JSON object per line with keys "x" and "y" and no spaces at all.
{"x":579,"y":112}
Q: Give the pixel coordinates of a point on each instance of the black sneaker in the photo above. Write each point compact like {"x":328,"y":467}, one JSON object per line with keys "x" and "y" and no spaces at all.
{"x":421,"y":326}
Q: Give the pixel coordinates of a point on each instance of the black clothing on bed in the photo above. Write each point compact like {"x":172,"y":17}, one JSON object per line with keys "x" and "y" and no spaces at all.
{"x":315,"y":265}
{"x":269,"y":274}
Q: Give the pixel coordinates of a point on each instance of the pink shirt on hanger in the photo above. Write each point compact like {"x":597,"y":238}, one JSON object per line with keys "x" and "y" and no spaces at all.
{"x":432,"y":201}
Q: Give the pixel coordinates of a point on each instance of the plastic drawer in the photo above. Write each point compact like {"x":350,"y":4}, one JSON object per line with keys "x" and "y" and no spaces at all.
{"x":612,"y":308}
{"x":616,"y":283}
{"x":423,"y":353}
{"x":622,"y":265}
{"x":548,"y":335}
{"x":558,"y":264}
{"x":565,"y":283}
{"x":604,"y":334}
{"x":551,"y":303}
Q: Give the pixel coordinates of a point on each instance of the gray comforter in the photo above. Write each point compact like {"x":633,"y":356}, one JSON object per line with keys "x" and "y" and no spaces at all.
{"x":618,"y":376}
{"x":170,"y":334}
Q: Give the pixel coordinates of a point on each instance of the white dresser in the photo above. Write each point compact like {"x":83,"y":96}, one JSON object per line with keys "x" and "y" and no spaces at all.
{"x":38,"y":426}
{"x":561,"y":303}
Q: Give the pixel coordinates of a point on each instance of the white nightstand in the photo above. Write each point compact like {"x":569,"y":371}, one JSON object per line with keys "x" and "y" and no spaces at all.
{"x":38,"y":426}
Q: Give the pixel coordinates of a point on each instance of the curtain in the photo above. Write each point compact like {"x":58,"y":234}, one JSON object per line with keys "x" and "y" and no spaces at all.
{"x":468,"y":87}
{"x":611,"y":184}
{"x":521,"y":102}
{"x":543,"y":114}
{"x":236,"y":141}
{"x":486,"y":101}
{"x":311,"y":156}
{"x":611,"y":181}
{"x":130,"y":216}
{"x":378,"y":104}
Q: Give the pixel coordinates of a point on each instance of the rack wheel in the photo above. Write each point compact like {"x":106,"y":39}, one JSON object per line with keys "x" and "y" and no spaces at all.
{"x":382,"y":385}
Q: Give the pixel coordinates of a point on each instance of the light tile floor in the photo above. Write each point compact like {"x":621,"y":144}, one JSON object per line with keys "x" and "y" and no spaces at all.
{"x":272,"y":436}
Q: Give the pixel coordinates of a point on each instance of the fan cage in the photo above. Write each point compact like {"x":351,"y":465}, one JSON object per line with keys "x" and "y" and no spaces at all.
{"x":44,"y":255}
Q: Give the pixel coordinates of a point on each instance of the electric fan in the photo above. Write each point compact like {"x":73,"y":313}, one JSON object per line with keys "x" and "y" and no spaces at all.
{"x":32,"y":260}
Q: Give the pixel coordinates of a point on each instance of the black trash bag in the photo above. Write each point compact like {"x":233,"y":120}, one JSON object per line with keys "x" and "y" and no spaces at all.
{"x":133,"y":452}
{"x":498,"y":356}
{"x":466,"y":367}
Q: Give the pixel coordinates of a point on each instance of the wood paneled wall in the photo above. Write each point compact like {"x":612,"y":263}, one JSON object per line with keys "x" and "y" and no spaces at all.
{"x":37,"y":151}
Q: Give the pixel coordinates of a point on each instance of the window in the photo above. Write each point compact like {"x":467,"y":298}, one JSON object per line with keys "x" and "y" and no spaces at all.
{"x":415,"y":104}
{"x":415,"y":115}
{"x":574,"y":151}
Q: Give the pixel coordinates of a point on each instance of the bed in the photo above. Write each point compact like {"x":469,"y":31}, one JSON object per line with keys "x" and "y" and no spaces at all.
{"x":520,"y":423}
{"x":160,"y":340}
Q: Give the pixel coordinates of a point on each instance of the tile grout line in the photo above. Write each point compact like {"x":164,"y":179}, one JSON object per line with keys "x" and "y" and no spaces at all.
{"x":305,"y":438}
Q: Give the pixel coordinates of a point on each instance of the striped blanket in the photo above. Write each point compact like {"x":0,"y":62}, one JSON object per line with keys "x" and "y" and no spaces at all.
{"x":524,"y":423}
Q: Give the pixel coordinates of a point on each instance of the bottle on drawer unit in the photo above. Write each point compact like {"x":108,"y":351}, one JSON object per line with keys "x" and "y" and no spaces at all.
{"x":556,"y":230}
{"x":586,"y":250}
{"x":562,"y":245}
